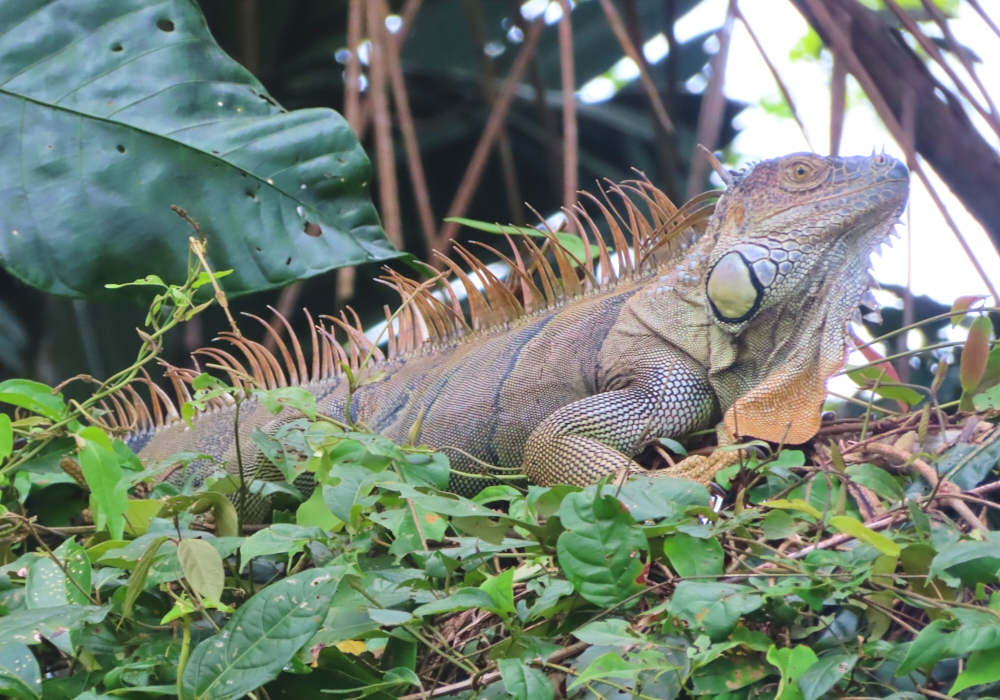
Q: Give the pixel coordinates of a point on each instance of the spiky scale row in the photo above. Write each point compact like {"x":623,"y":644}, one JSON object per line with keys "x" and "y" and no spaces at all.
{"x":425,"y":322}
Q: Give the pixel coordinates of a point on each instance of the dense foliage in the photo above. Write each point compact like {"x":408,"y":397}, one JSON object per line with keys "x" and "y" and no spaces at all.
{"x":822,"y":575}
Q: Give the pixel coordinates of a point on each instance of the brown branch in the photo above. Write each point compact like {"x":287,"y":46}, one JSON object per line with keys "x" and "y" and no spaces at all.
{"x":352,"y":78}
{"x":935,"y":53}
{"x":630,"y":49}
{"x":388,"y":190}
{"x":477,"y":164}
{"x":417,"y":178}
{"x":713,"y":105}
{"x":930,"y":474}
{"x":571,"y":153}
{"x":785,"y":92}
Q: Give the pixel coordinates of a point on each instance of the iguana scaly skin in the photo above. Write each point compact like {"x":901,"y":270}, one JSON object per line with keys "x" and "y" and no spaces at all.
{"x":744,"y":322}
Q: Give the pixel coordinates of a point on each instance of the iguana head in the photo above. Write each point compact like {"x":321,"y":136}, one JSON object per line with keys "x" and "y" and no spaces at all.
{"x":793,"y":238}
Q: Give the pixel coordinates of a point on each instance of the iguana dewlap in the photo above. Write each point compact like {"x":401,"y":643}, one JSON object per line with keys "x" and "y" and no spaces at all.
{"x":741,"y":319}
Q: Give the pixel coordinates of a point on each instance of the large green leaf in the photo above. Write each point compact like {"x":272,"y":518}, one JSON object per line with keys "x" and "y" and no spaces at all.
{"x":19,"y":673}
{"x":112,"y":111}
{"x":260,"y":638}
{"x":599,"y":551}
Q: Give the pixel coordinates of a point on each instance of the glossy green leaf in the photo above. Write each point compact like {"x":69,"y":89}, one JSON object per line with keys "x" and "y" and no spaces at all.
{"x":857,"y":529}
{"x":202,"y":567}
{"x":691,"y":556}
{"x":137,"y":581}
{"x":6,"y":437}
{"x":791,"y":663}
{"x":114,"y":111}
{"x":30,"y":626}
{"x":982,"y":667}
{"x":33,"y":396}
{"x":280,"y":538}
{"x":20,"y":676}
{"x":108,"y":493}
{"x":713,"y":607}
{"x":613,"y":632}
{"x":260,"y":638}
{"x":523,"y":682}
{"x":824,"y":674}
{"x":878,"y":480}
{"x":612,"y":665}
{"x":500,"y":589}
{"x":600,"y":549}
{"x":462,"y":599}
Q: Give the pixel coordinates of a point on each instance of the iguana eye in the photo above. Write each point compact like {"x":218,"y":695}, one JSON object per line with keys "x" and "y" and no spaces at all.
{"x":733,"y":289}
{"x":801,"y":171}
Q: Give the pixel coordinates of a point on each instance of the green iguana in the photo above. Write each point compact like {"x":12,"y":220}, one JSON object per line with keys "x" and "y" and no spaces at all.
{"x":740,"y":314}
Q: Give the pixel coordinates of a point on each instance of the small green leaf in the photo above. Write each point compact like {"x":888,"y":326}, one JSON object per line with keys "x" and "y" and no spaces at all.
{"x":778,"y":525}
{"x":791,"y":663}
{"x":500,"y":589}
{"x":462,"y":599}
{"x":137,"y":581}
{"x":34,"y":396}
{"x":794,"y":504}
{"x":713,"y":607}
{"x":202,"y":568}
{"x":20,"y":676}
{"x":280,"y":538}
{"x":878,"y":480}
{"x":824,"y":674}
{"x":573,"y":244}
{"x":613,"y":632}
{"x":599,"y":550}
{"x":108,"y":493}
{"x":982,"y":667}
{"x":857,"y":529}
{"x":522,"y":682}
{"x":930,"y":646}
{"x":691,"y":556}
{"x":261,"y":638}
{"x":6,"y":437}
{"x":672,"y":445}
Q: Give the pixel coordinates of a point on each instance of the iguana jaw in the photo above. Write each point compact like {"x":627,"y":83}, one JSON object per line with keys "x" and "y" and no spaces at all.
{"x":805,"y":252}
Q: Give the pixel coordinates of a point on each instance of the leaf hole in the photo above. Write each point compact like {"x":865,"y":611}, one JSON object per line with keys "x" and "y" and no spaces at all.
{"x":251,"y":195}
{"x":258,"y":249}
{"x":313,"y":230}
{"x":116,"y":47}
{"x":121,"y":148}
{"x":341,"y":161}
{"x":165,"y":25}
{"x":288,"y":262}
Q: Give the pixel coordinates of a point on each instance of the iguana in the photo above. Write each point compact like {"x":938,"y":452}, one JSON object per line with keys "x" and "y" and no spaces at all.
{"x":738,"y":315}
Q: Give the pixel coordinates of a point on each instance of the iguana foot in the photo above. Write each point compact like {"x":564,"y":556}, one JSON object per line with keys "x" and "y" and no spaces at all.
{"x":703,"y":469}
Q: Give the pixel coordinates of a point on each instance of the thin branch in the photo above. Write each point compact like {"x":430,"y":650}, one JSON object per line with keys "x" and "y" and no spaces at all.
{"x":935,"y":53}
{"x":388,"y":190}
{"x":785,"y":92}
{"x":477,"y":164}
{"x":713,"y":104}
{"x":571,"y":153}
{"x":352,"y":79}
{"x":618,"y":27}
{"x":417,"y":178}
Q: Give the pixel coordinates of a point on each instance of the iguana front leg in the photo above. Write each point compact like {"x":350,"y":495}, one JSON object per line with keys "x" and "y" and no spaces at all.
{"x":589,"y":439}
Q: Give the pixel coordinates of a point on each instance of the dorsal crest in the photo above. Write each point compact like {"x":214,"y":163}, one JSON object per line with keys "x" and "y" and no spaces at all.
{"x":646,"y":230}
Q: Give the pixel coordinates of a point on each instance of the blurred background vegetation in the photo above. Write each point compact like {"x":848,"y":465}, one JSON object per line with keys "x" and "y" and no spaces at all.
{"x":472,"y":108}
